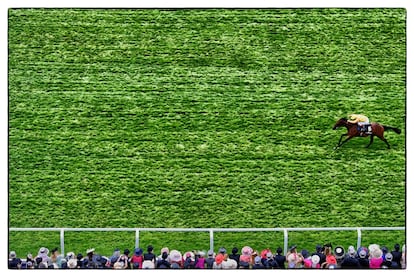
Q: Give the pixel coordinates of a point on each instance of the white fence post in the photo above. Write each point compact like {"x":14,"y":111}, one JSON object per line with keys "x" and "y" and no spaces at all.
{"x":62,"y":241}
{"x":211,"y":240}
{"x":359,"y":238}
{"x":285,"y":240}
{"x":136,"y":238}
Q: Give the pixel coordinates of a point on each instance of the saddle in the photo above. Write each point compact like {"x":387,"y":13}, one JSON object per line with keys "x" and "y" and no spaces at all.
{"x":365,"y":129}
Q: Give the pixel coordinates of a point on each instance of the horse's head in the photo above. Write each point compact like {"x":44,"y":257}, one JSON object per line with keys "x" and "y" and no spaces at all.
{"x":340,"y":123}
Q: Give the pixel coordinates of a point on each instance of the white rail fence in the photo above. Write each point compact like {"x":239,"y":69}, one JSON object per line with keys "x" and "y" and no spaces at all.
{"x":211,"y":231}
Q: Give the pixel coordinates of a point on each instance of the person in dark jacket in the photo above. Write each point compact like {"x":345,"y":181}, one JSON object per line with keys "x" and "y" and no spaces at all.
{"x":320,"y":254}
{"x":163,"y":263}
{"x":14,"y":262}
{"x":210,"y":259}
{"x":279,"y":258}
{"x":350,"y":261}
{"x":150,"y":256}
{"x":128,"y":258}
{"x":235,"y":256}
{"x":396,"y":255}
{"x":363,"y":259}
{"x":258,"y":263}
{"x":388,"y":262}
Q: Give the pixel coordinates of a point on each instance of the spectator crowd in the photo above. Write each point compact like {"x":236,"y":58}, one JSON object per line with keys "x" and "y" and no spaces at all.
{"x":323,"y":257}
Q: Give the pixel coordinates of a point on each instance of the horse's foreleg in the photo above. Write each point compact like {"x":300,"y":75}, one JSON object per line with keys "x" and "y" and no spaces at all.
{"x":340,"y":139}
{"x":348,"y":138}
{"x":370,"y":141}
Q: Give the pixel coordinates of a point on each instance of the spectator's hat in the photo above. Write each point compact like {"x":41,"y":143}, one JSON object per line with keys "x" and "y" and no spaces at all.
{"x":234,"y":250}
{"x":219,"y":258}
{"x":315,"y":259}
{"x":165,"y":249}
{"x":210,"y":253}
{"x":71,"y":255}
{"x":362,"y":254}
{"x":247,"y":250}
{"x":305,"y":253}
{"x":12,"y":254}
{"x":43,"y":251}
{"x":292,"y":247}
{"x":175,"y":256}
{"x":351,"y":251}
{"x":269,"y":255}
{"x":257,"y":260}
{"x":201,"y":253}
{"x":138,"y":251}
{"x":190,"y":255}
{"x":90,"y":250}
{"x":264,"y":253}
{"x":72,"y":263}
{"x":339,"y":252}
{"x":388,"y":257}
{"x":222,"y":250}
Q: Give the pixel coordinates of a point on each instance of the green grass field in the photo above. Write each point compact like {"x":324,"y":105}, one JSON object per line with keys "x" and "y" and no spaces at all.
{"x":203,"y":118}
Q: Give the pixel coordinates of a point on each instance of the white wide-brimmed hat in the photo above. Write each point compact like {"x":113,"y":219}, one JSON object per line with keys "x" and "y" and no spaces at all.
{"x":175,"y":256}
{"x":247,"y":250}
{"x":315,"y":259}
{"x":43,"y":251}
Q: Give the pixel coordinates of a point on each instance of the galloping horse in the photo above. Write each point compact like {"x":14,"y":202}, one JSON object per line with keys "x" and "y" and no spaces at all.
{"x":376,"y":130}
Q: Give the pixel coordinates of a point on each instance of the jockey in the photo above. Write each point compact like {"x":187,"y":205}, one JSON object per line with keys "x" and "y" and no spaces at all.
{"x":361,"y":119}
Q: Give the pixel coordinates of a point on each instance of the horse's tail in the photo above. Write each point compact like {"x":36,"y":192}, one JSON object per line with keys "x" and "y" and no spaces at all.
{"x":386,"y":128}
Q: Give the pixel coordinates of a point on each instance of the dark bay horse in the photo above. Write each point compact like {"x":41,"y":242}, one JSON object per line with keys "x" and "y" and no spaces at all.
{"x":377,"y":130}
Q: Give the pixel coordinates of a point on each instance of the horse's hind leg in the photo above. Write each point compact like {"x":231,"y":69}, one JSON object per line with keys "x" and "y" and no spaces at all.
{"x":370,"y":141}
{"x":386,"y":142}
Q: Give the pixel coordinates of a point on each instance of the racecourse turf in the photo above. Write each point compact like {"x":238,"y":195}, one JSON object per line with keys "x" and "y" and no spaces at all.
{"x":203,"y":118}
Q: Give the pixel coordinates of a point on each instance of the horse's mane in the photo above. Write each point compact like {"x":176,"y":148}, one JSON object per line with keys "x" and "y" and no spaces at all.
{"x":343,"y":118}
